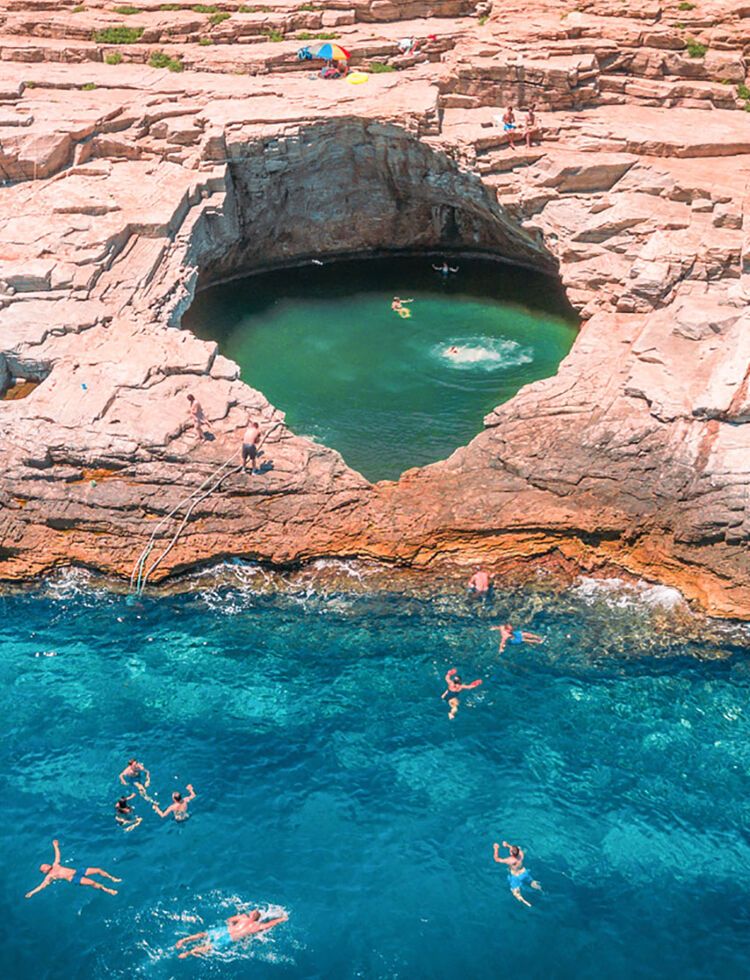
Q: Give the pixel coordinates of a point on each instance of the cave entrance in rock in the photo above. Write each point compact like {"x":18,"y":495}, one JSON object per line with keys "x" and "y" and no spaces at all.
{"x":323,"y":344}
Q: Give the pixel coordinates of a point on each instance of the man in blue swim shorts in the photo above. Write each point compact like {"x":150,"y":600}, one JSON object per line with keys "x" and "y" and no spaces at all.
{"x":508,"y":634}
{"x":76,"y":876}
{"x":518,"y":876}
{"x":509,"y":125}
{"x":219,"y":938}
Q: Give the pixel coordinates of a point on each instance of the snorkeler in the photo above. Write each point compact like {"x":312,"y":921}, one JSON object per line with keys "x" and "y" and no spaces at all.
{"x":445,"y":269}
{"x":518,"y":876}
{"x":513,"y":636}
{"x":125,"y":814}
{"x":58,"y":872}
{"x":454,"y":689}
{"x":480,"y":582}
{"x":237,"y":928}
{"x":178,"y":806}
{"x":136,"y":774}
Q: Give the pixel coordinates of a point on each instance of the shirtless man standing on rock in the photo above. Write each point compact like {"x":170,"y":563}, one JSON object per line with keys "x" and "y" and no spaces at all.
{"x":198,"y":417}
{"x":250,"y":443}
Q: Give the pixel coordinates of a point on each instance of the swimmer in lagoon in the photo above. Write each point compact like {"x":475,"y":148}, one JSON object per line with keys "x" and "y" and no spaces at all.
{"x":178,"y":806}
{"x":510,"y":635}
{"x":452,"y":351}
{"x":58,"y":872}
{"x":454,"y":689}
{"x":136,"y":774}
{"x":518,"y":876}
{"x":480,"y":582}
{"x":237,"y":928}
{"x":399,"y":306}
{"x":445,"y":269}
{"x":125,"y":814}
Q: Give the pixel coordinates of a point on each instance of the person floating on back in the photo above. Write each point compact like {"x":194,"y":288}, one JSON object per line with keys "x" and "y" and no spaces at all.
{"x":445,"y":269}
{"x":518,"y":875}
{"x":250,"y":442}
{"x":454,"y":689}
{"x":198,"y":417}
{"x":58,"y":872}
{"x":237,"y":928}
{"x":136,"y":774}
{"x":510,"y":635}
{"x":480,"y":582}
{"x":178,"y":806}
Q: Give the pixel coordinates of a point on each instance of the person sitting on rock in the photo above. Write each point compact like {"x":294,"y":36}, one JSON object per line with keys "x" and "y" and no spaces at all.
{"x":480,"y":582}
{"x":531,"y":125}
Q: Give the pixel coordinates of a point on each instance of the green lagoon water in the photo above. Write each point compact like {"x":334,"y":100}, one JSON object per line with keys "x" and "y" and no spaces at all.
{"x":322,"y":343}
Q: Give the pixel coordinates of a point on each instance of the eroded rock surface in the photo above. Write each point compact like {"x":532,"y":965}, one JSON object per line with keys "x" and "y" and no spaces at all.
{"x":125,"y":184}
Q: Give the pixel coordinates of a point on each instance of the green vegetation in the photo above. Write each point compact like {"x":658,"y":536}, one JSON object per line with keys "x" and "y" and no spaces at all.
{"x":78,"y":10}
{"x":483,"y":19}
{"x":254,"y":10}
{"x":127,"y":11}
{"x":307,"y":6}
{"x":378,"y":68}
{"x":160,"y":60}
{"x":30,"y":84}
{"x":274,"y":35}
{"x":114,"y":58}
{"x":170,"y":6}
{"x":218,"y":18}
{"x":694,"y":48}
{"x":88,"y":87}
{"x":118,"y":35}
{"x":321,"y":36}
{"x":202,"y":8}
{"x":680,"y":27}
{"x":743,"y":92}
{"x":686,"y":5}
{"x":205,"y":41}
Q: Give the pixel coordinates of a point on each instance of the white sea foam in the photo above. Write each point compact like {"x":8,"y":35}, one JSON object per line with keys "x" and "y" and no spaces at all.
{"x":621,"y":594}
{"x":482,"y":353}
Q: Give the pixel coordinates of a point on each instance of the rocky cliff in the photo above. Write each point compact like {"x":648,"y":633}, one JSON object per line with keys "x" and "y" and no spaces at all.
{"x":143,"y":153}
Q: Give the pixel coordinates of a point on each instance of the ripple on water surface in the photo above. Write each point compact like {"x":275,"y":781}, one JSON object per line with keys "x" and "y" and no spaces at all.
{"x":331,"y":783}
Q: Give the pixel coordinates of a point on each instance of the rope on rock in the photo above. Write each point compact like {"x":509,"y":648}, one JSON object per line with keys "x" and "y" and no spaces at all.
{"x":140,"y":575}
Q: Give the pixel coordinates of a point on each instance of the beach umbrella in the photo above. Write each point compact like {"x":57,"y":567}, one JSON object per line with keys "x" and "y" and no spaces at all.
{"x":331,"y":52}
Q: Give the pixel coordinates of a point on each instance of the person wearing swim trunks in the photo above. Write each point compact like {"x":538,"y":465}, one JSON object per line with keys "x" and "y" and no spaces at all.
{"x":445,"y":269}
{"x":58,"y":872}
{"x":250,"y":443}
{"x":513,"y":636}
{"x":237,"y":928}
{"x":178,"y":806}
{"x":125,"y":814}
{"x":136,"y":774}
{"x":454,"y":688}
{"x":518,"y":876}
{"x":480,"y":582}
{"x":509,"y":124}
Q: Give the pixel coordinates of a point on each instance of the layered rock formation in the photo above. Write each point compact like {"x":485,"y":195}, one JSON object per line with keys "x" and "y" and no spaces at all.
{"x":126,"y":185}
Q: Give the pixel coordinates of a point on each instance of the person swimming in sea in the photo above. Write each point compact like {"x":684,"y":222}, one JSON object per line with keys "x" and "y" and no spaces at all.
{"x":399,"y":306}
{"x":480,"y":582}
{"x":445,"y":269}
{"x":237,"y":928}
{"x":454,"y":688}
{"x":518,"y":876}
{"x":136,"y":774}
{"x":510,"y":635}
{"x":125,"y":813}
{"x":58,"y":872}
{"x":178,"y":806}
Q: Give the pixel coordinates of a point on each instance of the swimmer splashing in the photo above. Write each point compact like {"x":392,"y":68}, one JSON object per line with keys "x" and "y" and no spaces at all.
{"x":237,"y":928}
{"x":399,"y":306}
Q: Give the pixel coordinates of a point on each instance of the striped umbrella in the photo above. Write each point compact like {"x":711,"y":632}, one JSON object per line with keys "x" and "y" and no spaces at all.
{"x":331,"y":52}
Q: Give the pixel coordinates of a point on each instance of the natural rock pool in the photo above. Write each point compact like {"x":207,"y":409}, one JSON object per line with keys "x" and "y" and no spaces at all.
{"x":331,"y":784}
{"x":323,"y":344}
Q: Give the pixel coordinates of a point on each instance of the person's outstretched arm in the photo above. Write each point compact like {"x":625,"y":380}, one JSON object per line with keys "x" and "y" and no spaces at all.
{"x":192,"y":793}
{"x":47,"y":881}
{"x":56,"y":847}
{"x":163,"y":813}
{"x":468,"y":687}
{"x":265,"y":926}
{"x":496,"y":854}
{"x":122,"y":776}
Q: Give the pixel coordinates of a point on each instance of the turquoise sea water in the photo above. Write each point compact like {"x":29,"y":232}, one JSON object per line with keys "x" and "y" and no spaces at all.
{"x":322,"y":343}
{"x":331,"y":784}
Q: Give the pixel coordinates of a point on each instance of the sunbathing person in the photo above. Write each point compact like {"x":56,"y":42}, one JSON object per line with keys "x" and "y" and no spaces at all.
{"x":237,"y":928}
{"x":58,"y":872}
